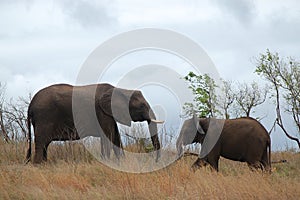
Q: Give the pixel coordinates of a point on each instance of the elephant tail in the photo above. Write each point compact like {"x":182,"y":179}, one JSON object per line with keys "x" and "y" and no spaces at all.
{"x":28,"y":154}
{"x":269,"y":154}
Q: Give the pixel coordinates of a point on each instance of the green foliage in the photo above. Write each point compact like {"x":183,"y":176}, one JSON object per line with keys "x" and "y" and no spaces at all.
{"x":284,"y":75}
{"x":145,"y":146}
{"x":203,"y":88}
{"x":268,"y":66}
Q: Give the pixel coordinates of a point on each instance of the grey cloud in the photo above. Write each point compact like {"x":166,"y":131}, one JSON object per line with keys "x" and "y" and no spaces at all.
{"x":243,"y":10}
{"x":88,"y":13}
{"x":285,"y":29}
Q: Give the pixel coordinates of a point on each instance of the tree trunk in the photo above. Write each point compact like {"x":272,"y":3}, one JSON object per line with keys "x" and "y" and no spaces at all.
{"x":279,"y":119}
{"x":3,"y":129}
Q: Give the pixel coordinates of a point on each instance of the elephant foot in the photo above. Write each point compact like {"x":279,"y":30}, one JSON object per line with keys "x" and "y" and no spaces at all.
{"x":38,"y":161}
{"x":198,"y":164}
{"x":27,"y":160}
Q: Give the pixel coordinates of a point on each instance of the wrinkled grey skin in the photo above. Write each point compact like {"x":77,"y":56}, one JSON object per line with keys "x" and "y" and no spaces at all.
{"x":242,"y":139}
{"x":52,"y":117}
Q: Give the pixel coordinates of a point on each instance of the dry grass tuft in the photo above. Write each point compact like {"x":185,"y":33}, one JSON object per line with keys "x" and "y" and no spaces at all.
{"x":72,"y":173}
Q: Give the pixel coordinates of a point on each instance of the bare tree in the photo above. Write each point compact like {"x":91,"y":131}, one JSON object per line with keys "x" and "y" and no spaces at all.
{"x":16,"y":117}
{"x":249,"y":96}
{"x":285,"y":79}
{"x":13,"y":116}
{"x":2,"y":118}
{"x":226,"y":101}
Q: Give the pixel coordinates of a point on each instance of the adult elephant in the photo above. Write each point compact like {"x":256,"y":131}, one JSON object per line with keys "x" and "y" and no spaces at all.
{"x":242,"y":139}
{"x":65,"y":112}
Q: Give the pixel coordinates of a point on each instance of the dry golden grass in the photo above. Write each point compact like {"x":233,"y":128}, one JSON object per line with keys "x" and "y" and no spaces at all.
{"x":72,"y":173}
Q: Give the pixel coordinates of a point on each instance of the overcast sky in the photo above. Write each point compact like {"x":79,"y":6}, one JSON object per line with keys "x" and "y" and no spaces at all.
{"x":46,"y":42}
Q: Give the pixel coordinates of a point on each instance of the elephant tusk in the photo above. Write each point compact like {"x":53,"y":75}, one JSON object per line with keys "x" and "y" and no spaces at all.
{"x":157,"y":121}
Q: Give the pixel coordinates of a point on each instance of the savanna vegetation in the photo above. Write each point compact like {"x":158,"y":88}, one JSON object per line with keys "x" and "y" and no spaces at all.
{"x":73,"y":173}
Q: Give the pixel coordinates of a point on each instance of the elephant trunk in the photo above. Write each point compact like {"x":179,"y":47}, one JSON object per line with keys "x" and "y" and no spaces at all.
{"x":154,"y":134}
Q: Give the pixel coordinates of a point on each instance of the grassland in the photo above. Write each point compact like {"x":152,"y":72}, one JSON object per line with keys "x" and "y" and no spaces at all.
{"x":72,"y":173}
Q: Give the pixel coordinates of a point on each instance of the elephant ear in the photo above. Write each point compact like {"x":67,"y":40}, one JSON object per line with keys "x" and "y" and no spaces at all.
{"x":115,"y":102}
{"x":197,"y":124}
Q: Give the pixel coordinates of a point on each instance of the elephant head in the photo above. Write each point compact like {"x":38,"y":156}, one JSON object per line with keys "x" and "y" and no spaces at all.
{"x":191,"y":132}
{"x":130,"y":105}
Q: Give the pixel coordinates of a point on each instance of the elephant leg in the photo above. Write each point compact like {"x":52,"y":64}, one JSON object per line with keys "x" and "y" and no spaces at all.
{"x":110,"y":129}
{"x":45,"y":151}
{"x":255,"y":165}
{"x":38,"y":156}
{"x":254,"y":160}
{"x":38,"y":146}
{"x":265,"y":161}
{"x":200,"y":162}
{"x":42,"y":139}
{"x":214,"y":156}
{"x":118,"y":148}
{"x":39,"y":150}
{"x":214,"y":162}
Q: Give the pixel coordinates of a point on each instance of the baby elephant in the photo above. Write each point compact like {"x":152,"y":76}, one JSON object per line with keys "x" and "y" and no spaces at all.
{"x":243,"y":139}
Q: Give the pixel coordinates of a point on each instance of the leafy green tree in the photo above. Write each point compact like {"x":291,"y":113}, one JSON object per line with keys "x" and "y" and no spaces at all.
{"x":203,"y":88}
{"x":284,"y":76}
